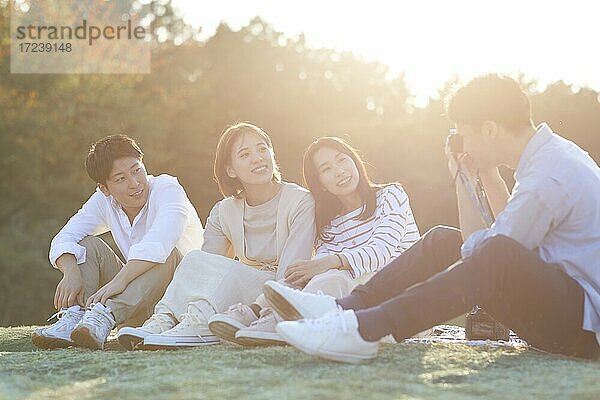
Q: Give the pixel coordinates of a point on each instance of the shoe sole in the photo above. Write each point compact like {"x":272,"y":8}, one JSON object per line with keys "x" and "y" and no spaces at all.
{"x":178,"y":346}
{"x":281,"y":305}
{"x":48,"y":343}
{"x":210,"y":340}
{"x":150,"y":347}
{"x":156,"y":347}
{"x":130,"y":342}
{"x":224,"y":330}
{"x":333,"y":356}
{"x":256,"y":341}
{"x":82,"y":337}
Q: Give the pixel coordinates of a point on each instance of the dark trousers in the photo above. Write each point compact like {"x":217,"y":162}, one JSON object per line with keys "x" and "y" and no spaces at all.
{"x":429,"y":284}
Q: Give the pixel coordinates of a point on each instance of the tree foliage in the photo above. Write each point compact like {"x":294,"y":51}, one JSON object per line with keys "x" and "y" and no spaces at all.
{"x":177,"y":113}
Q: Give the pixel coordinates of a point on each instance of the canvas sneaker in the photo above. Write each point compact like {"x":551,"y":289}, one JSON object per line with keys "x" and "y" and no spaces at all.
{"x":58,"y":335}
{"x":334,"y":337}
{"x":262,"y":331}
{"x":94,"y":327}
{"x":237,"y":317}
{"x":292,"y":304}
{"x":187,"y":333}
{"x":130,"y":338}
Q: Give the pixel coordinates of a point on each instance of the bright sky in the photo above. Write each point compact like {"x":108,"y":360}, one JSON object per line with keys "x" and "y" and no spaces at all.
{"x":430,"y":40}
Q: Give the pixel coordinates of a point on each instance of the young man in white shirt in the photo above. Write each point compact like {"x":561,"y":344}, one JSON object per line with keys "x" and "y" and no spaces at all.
{"x":153,"y":224}
{"x":536,"y":269}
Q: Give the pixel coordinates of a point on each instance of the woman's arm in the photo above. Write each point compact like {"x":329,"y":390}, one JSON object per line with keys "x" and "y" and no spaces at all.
{"x":215,"y":240}
{"x":395,"y":232}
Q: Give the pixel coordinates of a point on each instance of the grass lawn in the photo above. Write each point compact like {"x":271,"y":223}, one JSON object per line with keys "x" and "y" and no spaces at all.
{"x":402,"y":371}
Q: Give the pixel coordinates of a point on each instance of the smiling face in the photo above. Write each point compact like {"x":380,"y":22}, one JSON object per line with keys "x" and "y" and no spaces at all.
{"x":128,"y":184}
{"x":337,"y":171}
{"x":252,"y":160}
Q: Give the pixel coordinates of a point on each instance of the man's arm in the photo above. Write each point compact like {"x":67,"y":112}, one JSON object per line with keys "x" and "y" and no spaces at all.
{"x":66,"y":252}
{"x":156,"y":245}
{"x":128,"y":273}
{"x":469,"y":217}
{"x":469,"y":214}
{"x":496,"y":190}
{"x":89,"y":220}
{"x":69,"y":290}
{"x":529,"y":215}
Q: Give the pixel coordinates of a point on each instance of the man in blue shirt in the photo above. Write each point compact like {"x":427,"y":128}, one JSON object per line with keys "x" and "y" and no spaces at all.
{"x":536,"y":269}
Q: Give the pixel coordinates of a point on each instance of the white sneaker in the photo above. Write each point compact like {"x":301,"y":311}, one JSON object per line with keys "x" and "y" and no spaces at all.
{"x":130,"y":338}
{"x":58,"y":335}
{"x":262,"y":331}
{"x":187,"y":333}
{"x":334,"y":336}
{"x":94,"y":327}
{"x":292,"y":304}
{"x":237,"y":317}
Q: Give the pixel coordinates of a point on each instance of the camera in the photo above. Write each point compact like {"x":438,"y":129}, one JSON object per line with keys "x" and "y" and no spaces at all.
{"x":455,"y":142}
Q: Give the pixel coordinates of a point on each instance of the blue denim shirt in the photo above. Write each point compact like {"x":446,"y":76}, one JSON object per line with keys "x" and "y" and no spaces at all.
{"x":554,"y":208}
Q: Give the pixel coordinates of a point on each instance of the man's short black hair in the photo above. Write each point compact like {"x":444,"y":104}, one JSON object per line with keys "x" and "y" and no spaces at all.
{"x":104,"y":152}
{"x":490,"y":97}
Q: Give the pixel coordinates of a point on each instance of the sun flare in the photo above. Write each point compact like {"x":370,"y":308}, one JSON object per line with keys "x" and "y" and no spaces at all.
{"x":433,"y":41}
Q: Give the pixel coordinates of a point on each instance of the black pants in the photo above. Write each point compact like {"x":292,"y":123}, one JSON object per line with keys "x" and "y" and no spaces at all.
{"x":429,"y":284}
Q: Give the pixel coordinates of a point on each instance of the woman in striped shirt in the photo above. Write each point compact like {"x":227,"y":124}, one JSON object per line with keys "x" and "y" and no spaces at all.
{"x":361,"y":227}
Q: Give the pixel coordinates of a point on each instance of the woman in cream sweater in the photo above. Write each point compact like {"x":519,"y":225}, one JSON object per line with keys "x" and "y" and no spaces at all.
{"x":361,"y":227}
{"x":259,"y":228}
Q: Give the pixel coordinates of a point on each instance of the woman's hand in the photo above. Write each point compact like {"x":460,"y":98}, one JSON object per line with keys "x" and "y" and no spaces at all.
{"x":299,"y":273}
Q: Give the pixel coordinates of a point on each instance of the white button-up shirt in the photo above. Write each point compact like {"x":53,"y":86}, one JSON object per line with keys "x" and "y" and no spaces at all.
{"x":555,"y":208}
{"x":168,"y":220}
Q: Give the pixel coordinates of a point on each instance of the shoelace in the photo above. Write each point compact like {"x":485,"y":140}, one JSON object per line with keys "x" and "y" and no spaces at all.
{"x":191,"y":320}
{"x":63,"y":313}
{"x":161,"y":320}
{"x":238,"y":307}
{"x":266,"y":315}
{"x":99,"y":320}
{"x":333,"y":320}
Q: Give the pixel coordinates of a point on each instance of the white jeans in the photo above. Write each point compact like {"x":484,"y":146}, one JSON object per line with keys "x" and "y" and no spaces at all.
{"x":335,"y":282}
{"x":203,"y":280}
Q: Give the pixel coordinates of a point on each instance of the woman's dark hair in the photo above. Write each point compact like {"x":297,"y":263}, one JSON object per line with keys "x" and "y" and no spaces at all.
{"x":229,"y":186}
{"x":104,"y":152}
{"x":327,"y":205}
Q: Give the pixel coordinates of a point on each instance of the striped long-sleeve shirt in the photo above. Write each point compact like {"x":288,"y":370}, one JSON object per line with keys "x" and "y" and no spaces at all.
{"x":371,"y":244}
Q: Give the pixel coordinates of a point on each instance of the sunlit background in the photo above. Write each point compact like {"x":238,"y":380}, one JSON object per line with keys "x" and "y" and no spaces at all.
{"x":371,"y":72}
{"x":432,"y":40}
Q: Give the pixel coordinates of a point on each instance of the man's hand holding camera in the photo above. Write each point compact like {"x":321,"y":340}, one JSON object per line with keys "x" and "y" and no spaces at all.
{"x":463,"y":163}
{"x":458,"y":159}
